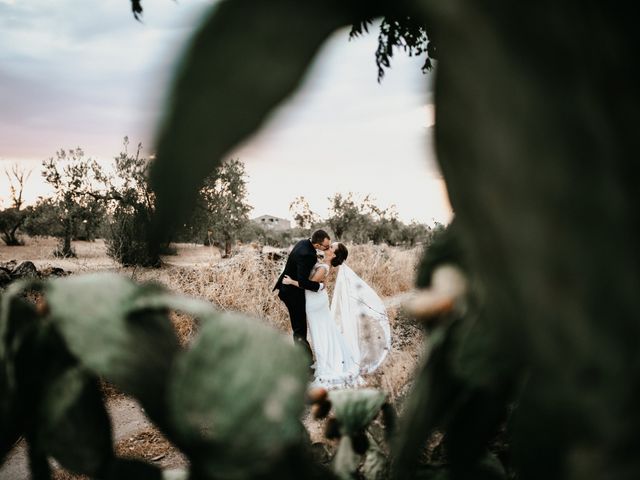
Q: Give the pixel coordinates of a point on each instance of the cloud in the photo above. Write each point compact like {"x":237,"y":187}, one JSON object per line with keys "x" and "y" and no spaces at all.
{"x":86,"y":74}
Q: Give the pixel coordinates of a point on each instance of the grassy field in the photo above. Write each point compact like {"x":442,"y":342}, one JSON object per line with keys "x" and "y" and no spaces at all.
{"x":244,"y":284}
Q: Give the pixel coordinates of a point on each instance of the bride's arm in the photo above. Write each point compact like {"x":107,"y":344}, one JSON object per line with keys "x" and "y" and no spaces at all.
{"x":287,"y":280}
{"x":319,"y":276}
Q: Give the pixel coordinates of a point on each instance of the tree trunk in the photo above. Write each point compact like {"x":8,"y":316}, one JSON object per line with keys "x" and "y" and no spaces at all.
{"x":66,"y":250}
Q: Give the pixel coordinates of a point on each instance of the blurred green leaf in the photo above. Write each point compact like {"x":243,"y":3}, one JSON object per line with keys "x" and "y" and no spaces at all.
{"x":130,"y":469}
{"x":430,"y":472}
{"x":432,"y":397}
{"x":18,"y":329}
{"x":488,"y":373}
{"x":16,"y":317}
{"x":346,"y":461}
{"x":356,"y":409}
{"x":175,"y":474}
{"x":73,"y":424}
{"x":100,"y":318}
{"x":490,"y":468}
{"x":236,"y":396}
{"x":463,"y":389}
{"x":376,"y":464}
{"x":158,"y":299}
{"x":10,"y":419}
{"x":247,"y":57}
{"x":445,"y":248}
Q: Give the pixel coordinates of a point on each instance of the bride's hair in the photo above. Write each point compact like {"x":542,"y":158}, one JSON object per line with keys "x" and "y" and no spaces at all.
{"x":341,"y":255}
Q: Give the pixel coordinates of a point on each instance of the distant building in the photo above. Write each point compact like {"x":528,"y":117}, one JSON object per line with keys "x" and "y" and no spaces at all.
{"x":273,"y":223}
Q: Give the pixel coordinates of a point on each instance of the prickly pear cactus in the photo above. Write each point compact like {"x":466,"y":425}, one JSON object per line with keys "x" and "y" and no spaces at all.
{"x":236,"y":396}
{"x":239,"y":388}
{"x":117,"y":337}
{"x":351,"y":413}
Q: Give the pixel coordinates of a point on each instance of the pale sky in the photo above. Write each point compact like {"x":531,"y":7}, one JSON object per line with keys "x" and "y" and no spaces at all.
{"x":87,"y":76}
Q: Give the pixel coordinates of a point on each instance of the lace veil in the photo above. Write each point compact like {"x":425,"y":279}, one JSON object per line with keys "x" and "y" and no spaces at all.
{"x":361,"y":316}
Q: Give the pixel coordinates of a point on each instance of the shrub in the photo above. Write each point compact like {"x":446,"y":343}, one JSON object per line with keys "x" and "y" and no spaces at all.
{"x":127,"y":242}
{"x":129,"y":238}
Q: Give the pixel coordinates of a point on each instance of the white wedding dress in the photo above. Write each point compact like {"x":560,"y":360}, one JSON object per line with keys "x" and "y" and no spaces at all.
{"x":352,"y":336}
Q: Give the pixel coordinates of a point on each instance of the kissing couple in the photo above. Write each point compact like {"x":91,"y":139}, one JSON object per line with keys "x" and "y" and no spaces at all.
{"x":350,"y":334}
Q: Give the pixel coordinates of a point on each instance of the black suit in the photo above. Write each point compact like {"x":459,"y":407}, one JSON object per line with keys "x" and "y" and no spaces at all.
{"x":299,"y":264}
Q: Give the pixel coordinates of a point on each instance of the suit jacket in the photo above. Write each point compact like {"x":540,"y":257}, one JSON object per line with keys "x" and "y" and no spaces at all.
{"x":299,"y":264}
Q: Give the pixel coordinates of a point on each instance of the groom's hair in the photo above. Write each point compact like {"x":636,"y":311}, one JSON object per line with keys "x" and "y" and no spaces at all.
{"x":318,"y":236}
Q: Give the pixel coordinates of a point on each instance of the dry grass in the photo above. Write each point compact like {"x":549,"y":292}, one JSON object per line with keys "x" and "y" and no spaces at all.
{"x":389,"y":270}
{"x":148,"y":445}
{"x":244,"y":284}
{"x":61,"y":474}
{"x":184,"y":326}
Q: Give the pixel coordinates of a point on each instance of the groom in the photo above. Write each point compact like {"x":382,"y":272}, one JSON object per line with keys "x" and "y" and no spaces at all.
{"x":299,"y":264}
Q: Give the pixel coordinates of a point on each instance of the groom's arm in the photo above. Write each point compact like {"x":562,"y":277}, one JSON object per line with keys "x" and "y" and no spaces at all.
{"x":305,"y":264}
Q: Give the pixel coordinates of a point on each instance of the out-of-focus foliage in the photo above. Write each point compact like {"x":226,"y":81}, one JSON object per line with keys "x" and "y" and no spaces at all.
{"x":545,"y":346}
{"x":464,"y":390}
{"x":216,"y":401}
{"x":530,"y":371}
{"x":361,"y":447}
{"x":231,"y":409}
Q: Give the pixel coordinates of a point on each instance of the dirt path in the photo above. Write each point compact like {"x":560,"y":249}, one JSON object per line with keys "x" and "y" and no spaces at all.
{"x":133,"y":433}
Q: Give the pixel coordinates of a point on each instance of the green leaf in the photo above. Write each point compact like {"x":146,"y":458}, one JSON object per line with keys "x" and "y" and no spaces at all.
{"x":430,"y":472}
{"x":156,"y":299}
{"x":10,"y":418}
{"x":104,"y":325}
{"x":16,"y":316}
{"x":236,"y":396}
{"x":73,"y":424}
{"x":432,"y":398}
{"x":346,"y":461}
{"x":175,"y":474}
{"x":18,"y":330}
{"x":356,"y":409}
{"x":445,"y":248}
{"x":60,"y":405}
{"x":247,"y":57}
{"x":129,"y":469}
{"x":490,"y":468}
{"x":487,"y":373}
{"x":376,"y":465}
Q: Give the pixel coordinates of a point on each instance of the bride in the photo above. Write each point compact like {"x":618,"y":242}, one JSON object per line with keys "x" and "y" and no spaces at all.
{"x":351,"y":337}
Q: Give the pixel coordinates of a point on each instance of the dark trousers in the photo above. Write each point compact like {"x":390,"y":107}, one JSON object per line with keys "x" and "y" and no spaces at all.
{"x":293,"y":298}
